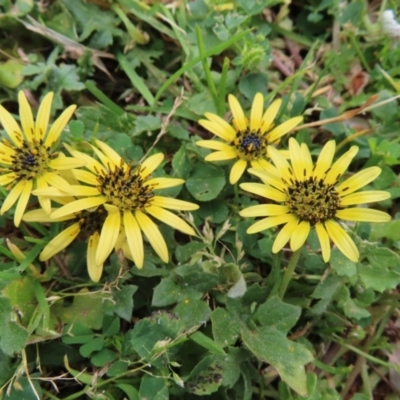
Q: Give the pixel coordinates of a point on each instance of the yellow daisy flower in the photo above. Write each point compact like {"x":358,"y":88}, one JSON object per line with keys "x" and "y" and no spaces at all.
{"x":84,"y":222}
{"x":129,"y":195}
{"x":30,"y":161}
{"x":310,"y":196}
{"x":247,"y":138}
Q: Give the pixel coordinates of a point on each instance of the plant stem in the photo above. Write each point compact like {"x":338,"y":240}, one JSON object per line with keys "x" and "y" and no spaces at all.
{"x":289,"y":272}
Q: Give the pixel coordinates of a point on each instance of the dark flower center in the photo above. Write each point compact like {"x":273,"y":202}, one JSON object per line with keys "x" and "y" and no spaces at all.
{"x":91,"y":222}
{"x":251,"y":145}
{"x":125,"y":188}
{"x":31,"y":159}
{"x":313,"y":200}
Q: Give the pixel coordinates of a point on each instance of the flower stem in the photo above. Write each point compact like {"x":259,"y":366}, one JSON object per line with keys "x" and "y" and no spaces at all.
{"x":289,"y":272}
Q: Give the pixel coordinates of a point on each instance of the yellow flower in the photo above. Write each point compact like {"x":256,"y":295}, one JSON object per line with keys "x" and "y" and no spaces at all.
{"x":128,"y":195}
{"x":310,"y":196}
{"x":247,"y":139}
{"x":29,"y":161}
{"x":84,"y":222}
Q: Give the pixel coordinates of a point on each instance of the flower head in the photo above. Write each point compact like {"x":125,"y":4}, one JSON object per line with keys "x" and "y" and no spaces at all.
{"x":30,"y":161}
{"x":87,"y":223}
{"x":247,"y":139}
{"x":311,"y":196}
{"x":129,"y":196}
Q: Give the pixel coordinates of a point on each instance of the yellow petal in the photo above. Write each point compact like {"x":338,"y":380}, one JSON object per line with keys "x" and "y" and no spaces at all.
{"x":60,"y":242}
{"x":78,"y":205}
{"x":269,"y":179}
{"x":7,"y":178}
{"x":300,"y":235}
{"x":264,"y":210}
{"x":86,"y":177}
{"x":340,"y":166}
{"x":26,"y":116}
{"x":108,"y":236}
{"x":270,"y":114}
{"x":285,"y":171}
{"x":283,"y":129}
{"x":325,"y":158}
{"x":237,"y":171}
{"x":256,"y":112}
{"x":43,"y":115}
{"x":151,"y":164}
{"x":323,"y":241}
{"x":91,"y":164}
{"x":269,"y":222}
{"x":163,"y":183}
{"x":363,"y":215}
{"x":109,"y":152}
{"x":358,"y":180}
{"x":221,"y":155}
{"x":342,"y":240}
{"x":12,"y":197}
{"x":153,"y":235}
{"x":58,"y":126}
{"x":239,"y":120}
{"x":22,"y":202}
{"x":94,"y":270}
{"x":218,"y":127}
{"x":265,"y":191}
{"x":55,"y":180}
{"x":307,"y":160}
{"x":170,"y":219}
{"x":214,"y":145}
{"x":173,"y":204}
{"x":134,"y":239}
{"x":370,"y":196}
{"x":296,"y":158}
{"x":261,"y":163}
{"x":41,"y":215}
{"x":63,"y":163}
{"x":285,"y":234}
{"x":44,"y":201}
{"x":11,"y":127}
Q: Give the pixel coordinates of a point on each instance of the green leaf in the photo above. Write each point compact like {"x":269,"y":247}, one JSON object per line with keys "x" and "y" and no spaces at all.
{"x":271,"y":345}
{"x":129,"y":390}
{"x":21,"y":293}
{"x":205,"y":378}
{"x":123,"y":298}
{"x":350,"y":308}
{"x":224,"y":328}
{"x":380,"y":279}
{"x":251,"y":84}
{"x":147,"y":332}
{"x":87,"y":309}
{"x":10,"y":74}
{"x":207,"y":343}
{"x":103,"y":357}
{"x":380,"y":257}
{"x":21,"y":389}
{"x":65,"y":77}
{"x":153,"y":388}
{"x":181,"y":163}
{"x":168,"y":292}
{"x":88,"y":348}
{"x":146,"y":123}
{"x":193,"y":313}
{"x":206,"y":182}
{"x":328,"y":287}
{"x":274,"y":313}
{"x":341,"y":264}
{"x":390,"y":230}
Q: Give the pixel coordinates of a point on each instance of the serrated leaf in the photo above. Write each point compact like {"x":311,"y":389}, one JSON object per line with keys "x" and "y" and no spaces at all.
{"x":379,"y":279}
{"x":274,"y":313}
{"x":206,"y":182}
{"x":341,"y":264}
{"x":225,"y":329}
{"x":271,"y":345}
{"x":124,"y":301}
{"x":153,"y":388}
